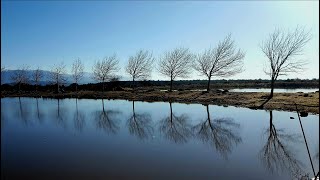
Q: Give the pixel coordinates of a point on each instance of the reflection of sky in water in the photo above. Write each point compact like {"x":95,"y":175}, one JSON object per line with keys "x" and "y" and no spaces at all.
{"x":48,"y":138}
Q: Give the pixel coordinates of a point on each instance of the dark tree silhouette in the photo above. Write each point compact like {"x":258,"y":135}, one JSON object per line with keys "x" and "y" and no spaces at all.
{"x":140,"y":124}
{"x":220,"y":133}
{"x":176,"y":128}
{"x":277,"y":155}
{"x":106,"y":120}
{"x":222,"y":61}
{"x":282,"y":49}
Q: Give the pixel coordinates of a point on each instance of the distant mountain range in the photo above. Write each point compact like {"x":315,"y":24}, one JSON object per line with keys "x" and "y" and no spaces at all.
{"x":6,"y":77}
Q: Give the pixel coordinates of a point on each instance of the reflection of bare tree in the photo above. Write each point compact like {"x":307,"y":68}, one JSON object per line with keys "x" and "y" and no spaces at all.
{"x":78,"y":119}
{"x":106,"y":120}
{"x":220,"y":133}
{"x":176,"y":128}
{"x":60,"y":118}
{"x":140,"y":124}
{"x":39,"y":114}
{"x":23,"y":113}
{"x":276,"y":154}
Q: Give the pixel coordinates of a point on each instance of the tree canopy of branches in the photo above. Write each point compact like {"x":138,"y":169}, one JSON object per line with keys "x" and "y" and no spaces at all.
{"x":103,"y":71}
{"x":37,"y":76}
{"x":176,"y":63}
{"x":222,"y":61}
{"x":140,"y":65}
{"x":77,"y":71}
{"x":20,"y":76}
{"x":282,"y":49}
{"x":57,"y":74}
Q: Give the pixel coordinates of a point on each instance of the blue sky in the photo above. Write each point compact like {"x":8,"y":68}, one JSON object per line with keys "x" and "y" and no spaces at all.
{"x":46,"y":33}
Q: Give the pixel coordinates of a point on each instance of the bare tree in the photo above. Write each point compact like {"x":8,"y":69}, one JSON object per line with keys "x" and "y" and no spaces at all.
{"x":20,"y":76}
{"x":58,"y":74}
{"x":77,"y":71}
{"x":222,"y":61}
{"x":282,"y":49}
{"x":103,"y":71}
{"x":140,"y":65}
{"x":176,"y":63}
{"x":37,"y":76}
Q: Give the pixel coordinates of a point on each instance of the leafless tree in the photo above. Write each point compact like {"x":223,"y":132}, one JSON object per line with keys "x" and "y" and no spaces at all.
{"x":140,"y":65}
{"x":220,"y":133}
{"x":222,"y":61}
{"x":176,"y":63}
{"x":282,"y":49}
{"x":20,"y":76}
{"x":37,"y":76}
{"x":104,"y":70}
{"x":77,"y":71}
{"x":57,"y":74}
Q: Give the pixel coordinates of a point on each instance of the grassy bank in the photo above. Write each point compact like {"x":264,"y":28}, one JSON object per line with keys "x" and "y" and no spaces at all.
{"x":307,"y":102}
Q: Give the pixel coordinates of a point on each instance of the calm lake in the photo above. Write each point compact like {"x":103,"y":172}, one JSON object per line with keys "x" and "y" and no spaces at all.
{"x":119,"y":139}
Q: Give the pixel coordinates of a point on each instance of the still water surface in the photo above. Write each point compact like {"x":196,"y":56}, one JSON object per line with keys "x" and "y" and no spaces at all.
{"x":118,"y":139}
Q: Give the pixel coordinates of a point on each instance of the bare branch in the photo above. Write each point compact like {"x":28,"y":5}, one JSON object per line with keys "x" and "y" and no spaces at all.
{"x":37,"y":76}
{"x":57,"y":74}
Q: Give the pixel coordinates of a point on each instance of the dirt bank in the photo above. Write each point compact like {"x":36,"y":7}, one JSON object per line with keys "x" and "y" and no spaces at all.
{"x":307,"y":102}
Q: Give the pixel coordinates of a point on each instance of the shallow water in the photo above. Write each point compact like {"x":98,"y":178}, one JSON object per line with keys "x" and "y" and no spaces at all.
{"x":118,"y":139}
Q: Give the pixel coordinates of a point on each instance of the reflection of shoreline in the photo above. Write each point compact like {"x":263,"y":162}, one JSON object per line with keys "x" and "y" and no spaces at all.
{"x":220,"y":133}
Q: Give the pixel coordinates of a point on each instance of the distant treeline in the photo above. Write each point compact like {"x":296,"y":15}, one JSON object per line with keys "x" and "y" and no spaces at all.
{"x":179,"y":85}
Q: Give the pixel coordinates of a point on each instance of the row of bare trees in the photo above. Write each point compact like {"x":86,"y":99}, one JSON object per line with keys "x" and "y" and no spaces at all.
{"x":224,"y":60}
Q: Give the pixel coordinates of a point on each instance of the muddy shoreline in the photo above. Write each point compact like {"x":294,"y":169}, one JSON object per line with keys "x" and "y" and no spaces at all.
{"x":307,"y":102}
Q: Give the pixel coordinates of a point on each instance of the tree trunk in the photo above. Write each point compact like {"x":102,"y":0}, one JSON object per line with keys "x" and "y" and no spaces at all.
{"x":19,"y":86}
{"x":272,"y":88}
{"x":171,"y":85}
{"x":133,"y":84}
{"x":103,"y":86}
{"x":76,"y":87}
{"x":208,"y":87}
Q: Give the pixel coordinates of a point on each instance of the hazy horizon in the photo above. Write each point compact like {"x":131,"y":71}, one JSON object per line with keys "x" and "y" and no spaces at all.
{"x":47,"y":33}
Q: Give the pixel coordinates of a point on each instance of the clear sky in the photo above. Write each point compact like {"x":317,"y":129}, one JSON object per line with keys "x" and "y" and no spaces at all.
{"x":46,"y":33}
